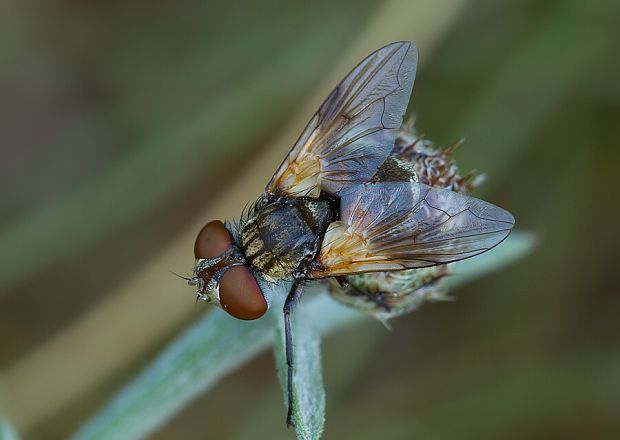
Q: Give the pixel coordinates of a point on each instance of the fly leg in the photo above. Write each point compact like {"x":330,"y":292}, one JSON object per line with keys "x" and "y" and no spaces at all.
{"x":291,"y":300}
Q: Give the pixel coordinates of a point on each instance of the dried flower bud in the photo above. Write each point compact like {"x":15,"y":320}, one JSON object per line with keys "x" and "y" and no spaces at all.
{"x":433,"y":166}
{"x":385,"y":295}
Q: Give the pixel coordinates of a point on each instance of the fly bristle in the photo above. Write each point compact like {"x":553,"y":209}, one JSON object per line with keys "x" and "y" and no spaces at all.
{"x":249,"y":211}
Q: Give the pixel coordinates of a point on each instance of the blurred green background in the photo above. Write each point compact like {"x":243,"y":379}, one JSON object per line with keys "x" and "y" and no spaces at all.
{"x":123,"y":123}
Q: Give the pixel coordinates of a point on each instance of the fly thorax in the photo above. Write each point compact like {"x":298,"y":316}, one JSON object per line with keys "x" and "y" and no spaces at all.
{"x":284,"y":235}
{"x":258,"y":254}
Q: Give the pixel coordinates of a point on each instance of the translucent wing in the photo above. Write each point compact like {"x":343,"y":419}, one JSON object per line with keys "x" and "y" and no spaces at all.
{"x":353,"y":131}
{"x":398,"y":225}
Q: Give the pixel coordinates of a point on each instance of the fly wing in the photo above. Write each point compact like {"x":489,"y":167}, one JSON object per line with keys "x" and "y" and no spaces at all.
{"x":354,"y":130}
{"x":390,"y":226}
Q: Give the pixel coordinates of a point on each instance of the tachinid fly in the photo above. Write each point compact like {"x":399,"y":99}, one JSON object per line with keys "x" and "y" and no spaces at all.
{"x":342,"y":204}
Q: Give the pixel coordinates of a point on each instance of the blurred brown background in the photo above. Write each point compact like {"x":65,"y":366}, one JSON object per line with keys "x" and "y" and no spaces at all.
{"x":126,"y":125}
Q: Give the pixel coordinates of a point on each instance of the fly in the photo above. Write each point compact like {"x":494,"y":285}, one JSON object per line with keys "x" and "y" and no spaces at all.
{"x":340,"y":205}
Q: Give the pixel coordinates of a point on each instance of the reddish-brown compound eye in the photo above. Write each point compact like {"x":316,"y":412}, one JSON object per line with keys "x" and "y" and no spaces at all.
{"x":240,"y":294}
{"x":213,"y":240}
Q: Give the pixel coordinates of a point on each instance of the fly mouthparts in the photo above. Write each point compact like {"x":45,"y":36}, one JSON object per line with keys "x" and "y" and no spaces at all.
{"x":196,"y":281}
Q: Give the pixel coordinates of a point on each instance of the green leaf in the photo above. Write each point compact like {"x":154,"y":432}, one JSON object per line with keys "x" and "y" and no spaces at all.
{"x":196,"y":360}
{"x":307,"y":387}
{"x":7,"y":432}
{"x":218,"y":344}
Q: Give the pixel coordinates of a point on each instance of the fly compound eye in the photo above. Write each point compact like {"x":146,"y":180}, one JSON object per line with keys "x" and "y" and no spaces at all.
{"x":240,"y":294}
{"x":213,"y":240}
